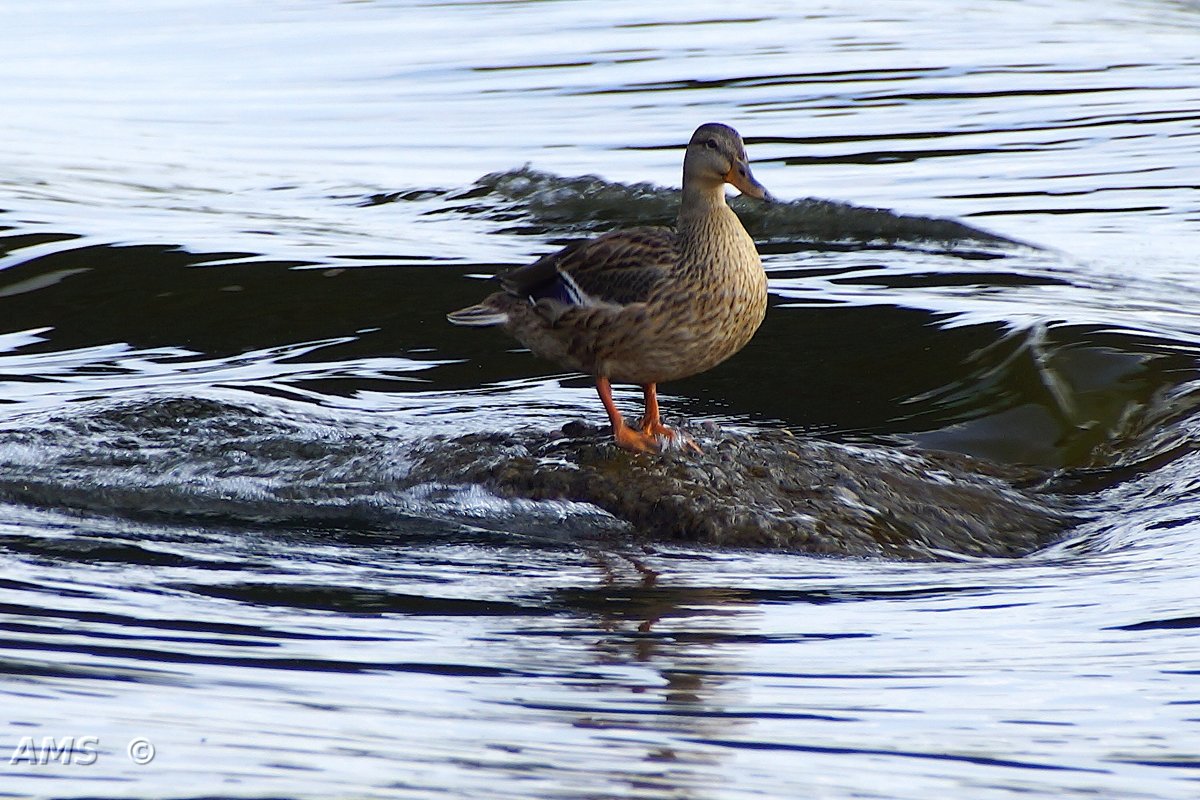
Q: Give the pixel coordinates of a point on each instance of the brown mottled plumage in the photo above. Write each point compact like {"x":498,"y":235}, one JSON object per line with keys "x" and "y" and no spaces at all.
{"x":646,"y":305}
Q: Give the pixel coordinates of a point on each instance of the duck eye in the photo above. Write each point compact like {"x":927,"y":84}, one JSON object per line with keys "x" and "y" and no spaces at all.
{"x":711,"y":144}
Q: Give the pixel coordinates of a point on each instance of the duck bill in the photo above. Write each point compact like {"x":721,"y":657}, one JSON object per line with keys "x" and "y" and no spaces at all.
{"x":742,"y":179}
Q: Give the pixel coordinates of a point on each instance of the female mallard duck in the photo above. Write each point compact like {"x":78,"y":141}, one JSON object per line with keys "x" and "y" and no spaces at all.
{"x":646,"y":305}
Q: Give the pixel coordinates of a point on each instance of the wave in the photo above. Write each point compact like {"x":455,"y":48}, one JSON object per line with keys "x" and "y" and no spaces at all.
{"x":234,"y":458}
{"x":538,"y":202}
{"x":231,"y":461}
{"x":242,"y":460}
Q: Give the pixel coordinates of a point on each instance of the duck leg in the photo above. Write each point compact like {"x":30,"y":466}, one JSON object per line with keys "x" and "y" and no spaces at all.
{"x":651,"y":423}
{"x":639,"y":441}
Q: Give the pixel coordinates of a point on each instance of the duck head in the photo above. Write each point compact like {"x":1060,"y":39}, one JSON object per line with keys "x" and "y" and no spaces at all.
{"x":716,"y":156}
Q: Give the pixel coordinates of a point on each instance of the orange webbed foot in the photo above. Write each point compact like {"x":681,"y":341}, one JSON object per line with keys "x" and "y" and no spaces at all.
{"x":650,"y":436}
{"x":651,"y":425}
{"x":636,"y":441}
{"x":669,"y":438}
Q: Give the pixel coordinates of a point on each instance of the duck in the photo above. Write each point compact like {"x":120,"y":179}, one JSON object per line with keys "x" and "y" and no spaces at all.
{"x":646,"y":305}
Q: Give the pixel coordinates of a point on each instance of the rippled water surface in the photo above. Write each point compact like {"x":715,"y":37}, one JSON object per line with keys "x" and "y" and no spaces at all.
{"x":229,"y":234}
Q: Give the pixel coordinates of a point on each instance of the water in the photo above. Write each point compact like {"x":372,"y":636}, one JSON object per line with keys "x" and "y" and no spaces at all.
{"x":230,"y":233}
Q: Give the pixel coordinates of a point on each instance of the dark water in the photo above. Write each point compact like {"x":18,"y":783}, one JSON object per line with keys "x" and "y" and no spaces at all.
{"x":229,"y":237}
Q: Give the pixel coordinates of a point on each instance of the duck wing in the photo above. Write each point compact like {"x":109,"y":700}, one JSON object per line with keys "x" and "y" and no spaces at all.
{"x":617,"y":268}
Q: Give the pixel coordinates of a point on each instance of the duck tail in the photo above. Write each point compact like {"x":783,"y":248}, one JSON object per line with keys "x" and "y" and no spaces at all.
{"x":480,"y":315}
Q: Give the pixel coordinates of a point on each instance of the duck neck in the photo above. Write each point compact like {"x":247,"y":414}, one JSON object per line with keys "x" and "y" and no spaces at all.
{"x":711,"y":237}
{"x":702,"y":211}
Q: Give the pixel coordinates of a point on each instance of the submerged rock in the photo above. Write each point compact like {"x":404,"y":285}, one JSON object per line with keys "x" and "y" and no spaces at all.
{"x":766,"y":490}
